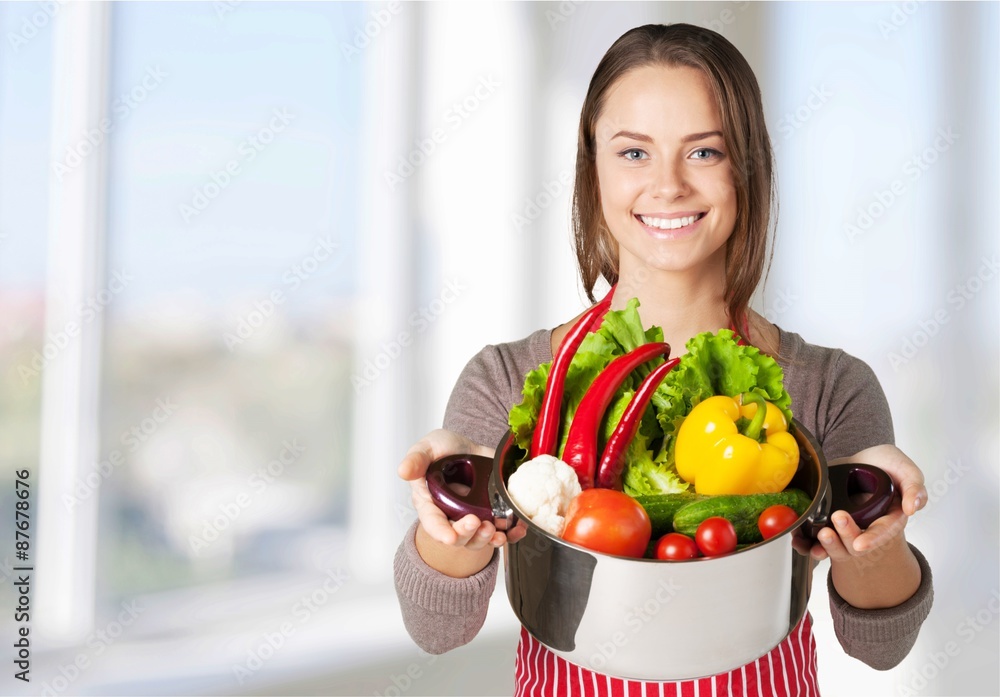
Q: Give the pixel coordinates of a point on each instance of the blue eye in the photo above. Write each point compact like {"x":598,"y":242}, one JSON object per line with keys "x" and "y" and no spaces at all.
{"x":711,"y":153}
{"x":625,"y":153}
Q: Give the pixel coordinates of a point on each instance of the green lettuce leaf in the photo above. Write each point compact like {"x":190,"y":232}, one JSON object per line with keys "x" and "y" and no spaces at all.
{"x":713,"y":365}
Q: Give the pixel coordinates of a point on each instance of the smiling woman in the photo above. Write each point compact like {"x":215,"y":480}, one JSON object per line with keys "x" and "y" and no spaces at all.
{"x":667,"y":197}
{"x":673,"y":207}
{"x":680,"y":106}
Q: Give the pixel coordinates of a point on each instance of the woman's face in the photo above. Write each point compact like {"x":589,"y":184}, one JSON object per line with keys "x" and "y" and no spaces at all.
{"x":665,"y":179}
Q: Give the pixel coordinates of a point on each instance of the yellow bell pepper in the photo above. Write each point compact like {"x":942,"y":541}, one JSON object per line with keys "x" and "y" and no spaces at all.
{"x":712,"y":454}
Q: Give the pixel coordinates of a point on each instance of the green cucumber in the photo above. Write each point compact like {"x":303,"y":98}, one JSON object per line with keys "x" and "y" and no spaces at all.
{"x":661,"y":509}
{"x":740,"y":510}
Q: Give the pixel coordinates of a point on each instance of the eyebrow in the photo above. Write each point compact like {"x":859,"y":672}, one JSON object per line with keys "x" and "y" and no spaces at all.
{"x":646,"y":139}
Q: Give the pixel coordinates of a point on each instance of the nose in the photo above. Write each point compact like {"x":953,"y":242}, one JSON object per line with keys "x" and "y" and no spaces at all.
{"x":669,"y":180}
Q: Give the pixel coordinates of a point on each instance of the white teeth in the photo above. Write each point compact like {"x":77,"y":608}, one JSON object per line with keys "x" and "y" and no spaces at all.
{"x":669,"y":223}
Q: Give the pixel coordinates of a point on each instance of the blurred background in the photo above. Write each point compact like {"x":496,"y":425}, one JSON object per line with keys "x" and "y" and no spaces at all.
{"x":247,"y":247}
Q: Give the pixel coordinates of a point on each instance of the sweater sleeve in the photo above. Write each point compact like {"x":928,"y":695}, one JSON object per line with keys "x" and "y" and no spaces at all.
{"x":440,"y":612}
{"x":857,"y":417}
{"x":882,"y":638}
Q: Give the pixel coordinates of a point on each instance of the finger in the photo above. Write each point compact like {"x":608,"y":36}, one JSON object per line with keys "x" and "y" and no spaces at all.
{"x":482,"y":536}
{"x":417,"y":459}
{"x":882,"y":531}
{"x":435,"y":445}
{"x":466,"y":528}
{"x":518,"y":533}
{"x":436,"y":524}
{"x":818,"y":552}
{"x":801,"y":545}
{"x":833,"y":545}
{"x":914,"y":498}
{"x":847,"y":529}
{"x":432,"y":518}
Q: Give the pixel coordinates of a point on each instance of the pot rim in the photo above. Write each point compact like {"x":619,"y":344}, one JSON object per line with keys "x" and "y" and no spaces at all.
{"x":815,"y":454}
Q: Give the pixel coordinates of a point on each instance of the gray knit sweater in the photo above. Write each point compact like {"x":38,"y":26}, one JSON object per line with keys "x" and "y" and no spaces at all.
{"x":834,"y":396}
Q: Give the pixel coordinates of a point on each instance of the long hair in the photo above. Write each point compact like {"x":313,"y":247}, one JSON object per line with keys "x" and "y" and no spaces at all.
{"x":748,"y":145}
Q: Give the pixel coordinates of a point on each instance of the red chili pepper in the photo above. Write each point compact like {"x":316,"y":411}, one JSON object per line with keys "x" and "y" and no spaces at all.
{"x":739,"y":339}
{"x":543,"y":440}
{"x":597,"y":321}
{"x":612,"y":464}
{"x":580,"y":452}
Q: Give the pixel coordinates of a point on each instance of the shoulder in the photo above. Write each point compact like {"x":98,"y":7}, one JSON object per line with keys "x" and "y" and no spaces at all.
{"x":507,"y":363}
{"x":490,"y":384}
{"x":806,"y":362}
{"x":835,"y":395}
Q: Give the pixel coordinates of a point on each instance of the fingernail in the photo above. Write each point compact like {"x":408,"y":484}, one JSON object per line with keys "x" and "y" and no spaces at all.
{"x":918,"y":502}
{"x":840,"y":521}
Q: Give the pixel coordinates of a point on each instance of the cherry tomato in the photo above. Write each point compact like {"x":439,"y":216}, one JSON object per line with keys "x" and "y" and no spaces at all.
{"x":606,"y":520}
{"x":675,"y":546}
{"x":715,"y":536}
{"x":775,"y":520}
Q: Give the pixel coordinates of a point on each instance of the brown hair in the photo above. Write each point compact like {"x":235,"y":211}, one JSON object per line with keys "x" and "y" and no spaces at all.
{"x":749,"y":149}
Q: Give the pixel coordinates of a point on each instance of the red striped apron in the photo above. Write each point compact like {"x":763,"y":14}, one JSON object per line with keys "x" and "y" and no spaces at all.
{"x":788,"y":670}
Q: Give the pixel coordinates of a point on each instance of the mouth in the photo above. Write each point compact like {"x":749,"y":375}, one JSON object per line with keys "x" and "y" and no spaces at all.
{"x":668,"y":224}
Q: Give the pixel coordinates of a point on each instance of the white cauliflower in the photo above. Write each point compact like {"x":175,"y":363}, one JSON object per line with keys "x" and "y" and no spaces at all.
{"x":542,"y":489}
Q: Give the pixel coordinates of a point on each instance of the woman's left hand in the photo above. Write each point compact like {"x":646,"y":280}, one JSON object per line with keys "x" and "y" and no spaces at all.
{"x":845,"y":541}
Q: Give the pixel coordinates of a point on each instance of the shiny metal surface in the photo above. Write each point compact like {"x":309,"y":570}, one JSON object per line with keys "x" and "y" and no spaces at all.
{"x":654,"y":620}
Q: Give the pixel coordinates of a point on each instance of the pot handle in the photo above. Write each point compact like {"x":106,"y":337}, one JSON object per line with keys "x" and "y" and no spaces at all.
{"x":853,"y":478}
{"x":471,"y":470}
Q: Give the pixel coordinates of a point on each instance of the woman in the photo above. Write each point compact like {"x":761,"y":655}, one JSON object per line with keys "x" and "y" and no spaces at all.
{"x":673,"y":203}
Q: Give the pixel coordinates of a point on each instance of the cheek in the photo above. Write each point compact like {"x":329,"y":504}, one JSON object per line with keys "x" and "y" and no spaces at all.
{"x":617,"y":190}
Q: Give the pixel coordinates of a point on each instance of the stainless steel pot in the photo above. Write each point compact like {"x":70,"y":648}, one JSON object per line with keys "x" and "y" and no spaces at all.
{"x":655,"y":620}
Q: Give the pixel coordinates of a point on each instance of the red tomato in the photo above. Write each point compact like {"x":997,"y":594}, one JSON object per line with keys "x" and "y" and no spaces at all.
{"x":609,"y":521}
{"x":715,"y":536}
{"x":675,"y":546}
{"x":775,"y":520}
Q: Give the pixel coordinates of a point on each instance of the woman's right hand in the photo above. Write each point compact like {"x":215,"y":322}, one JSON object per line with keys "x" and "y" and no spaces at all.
{"x":460,"y":548}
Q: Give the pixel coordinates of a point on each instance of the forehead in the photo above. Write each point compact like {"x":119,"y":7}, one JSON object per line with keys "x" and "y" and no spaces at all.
{"x":665,"y":102}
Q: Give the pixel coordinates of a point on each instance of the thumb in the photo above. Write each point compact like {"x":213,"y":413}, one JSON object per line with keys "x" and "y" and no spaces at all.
{"x":433,"y":446}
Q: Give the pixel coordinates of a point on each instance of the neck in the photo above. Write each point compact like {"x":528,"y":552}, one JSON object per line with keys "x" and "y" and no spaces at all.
{"x":682,"y":304}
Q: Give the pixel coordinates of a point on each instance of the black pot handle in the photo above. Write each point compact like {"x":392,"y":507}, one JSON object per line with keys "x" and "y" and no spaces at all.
{"x":471,"y":470}
{"x":848,"y":480}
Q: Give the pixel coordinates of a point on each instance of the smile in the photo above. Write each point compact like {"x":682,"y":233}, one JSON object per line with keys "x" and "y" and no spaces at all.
{"x":670,"y":223}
